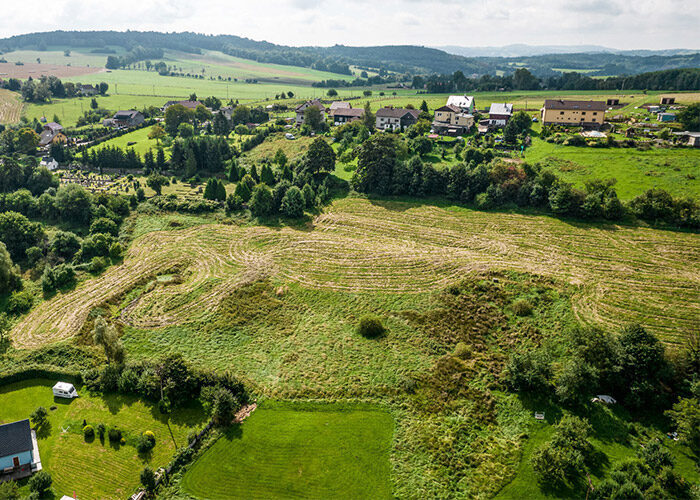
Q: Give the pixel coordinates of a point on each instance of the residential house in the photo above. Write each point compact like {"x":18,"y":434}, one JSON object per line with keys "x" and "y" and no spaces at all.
{"x":391,"y":118}
{"x":339,"y":116}
{"x":500,"y":113}
{"x":666,"y":117}
{"x":464,"y":102}
{"x":49,"y":162}
{"x":227,"y":111}
{"x":302,"y":108}
{"x":188,"y":104}
{"x":588,"y":114}
{"x":51,"y":134}
{"x":88,"y":90}
{"x":450,"y":120}
{"x":339,"y":105}
{"x":130,"y":118}
{"x":19,"y":452}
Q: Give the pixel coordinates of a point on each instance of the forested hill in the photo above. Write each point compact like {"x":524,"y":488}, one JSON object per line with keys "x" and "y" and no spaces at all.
{"x":410,"y":59}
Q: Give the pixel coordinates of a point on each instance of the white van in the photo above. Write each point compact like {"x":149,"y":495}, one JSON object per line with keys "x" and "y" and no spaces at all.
{"x":64,"y":390}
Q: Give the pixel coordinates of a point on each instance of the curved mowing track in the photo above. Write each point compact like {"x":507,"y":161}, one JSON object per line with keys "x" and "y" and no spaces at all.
{"x":623,"y":274}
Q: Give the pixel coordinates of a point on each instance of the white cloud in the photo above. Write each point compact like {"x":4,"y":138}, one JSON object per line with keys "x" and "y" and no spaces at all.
{"x":616,"y":23}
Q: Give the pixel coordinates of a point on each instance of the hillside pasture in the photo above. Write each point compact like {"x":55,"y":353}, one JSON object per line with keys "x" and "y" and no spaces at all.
{"x":36,"y":70}
{"x":10,"y":106}
{"x":282,"y":452}
{"x":623,"y":274}
{"x":675,"y":170}
{"x":78,"y":465}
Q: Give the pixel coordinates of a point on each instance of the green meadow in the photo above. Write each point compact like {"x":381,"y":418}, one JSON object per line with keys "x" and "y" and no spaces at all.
{"x":293,"y":451}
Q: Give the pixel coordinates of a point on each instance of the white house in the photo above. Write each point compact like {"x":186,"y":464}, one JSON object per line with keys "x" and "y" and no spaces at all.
{"x":48,"y":162}
{"x":463,"y":102}
{"x":64,"y":390}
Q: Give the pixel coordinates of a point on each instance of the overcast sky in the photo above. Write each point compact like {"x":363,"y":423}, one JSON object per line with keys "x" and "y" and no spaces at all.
{"x":625,"y":24}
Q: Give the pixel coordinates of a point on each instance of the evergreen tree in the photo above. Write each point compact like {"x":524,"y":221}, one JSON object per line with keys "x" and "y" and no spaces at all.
{"x":254,"y":173}
{"x":244,"y":189}
{"x":261,"y":201}
{"x":148,"y":162}
{"x":309,"y":196}
{"x":220,"y":191}
{"x":233,"y":172}
{"x":210,"y":190}
{"x":160,"y":160}
{"x":267,"y":176}
{"x":424,"y":106}
{"x":293,"y":203}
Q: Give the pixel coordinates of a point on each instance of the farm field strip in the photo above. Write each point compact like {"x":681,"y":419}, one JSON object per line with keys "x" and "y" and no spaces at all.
{"x":10,"y":106}
{"x":623,"y":273}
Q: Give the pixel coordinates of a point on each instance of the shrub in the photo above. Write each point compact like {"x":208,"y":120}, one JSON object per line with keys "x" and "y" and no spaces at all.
{"x":150,"y":436}
{"x":522,"y":307}
{"x":40,"y":482}
{"x":293,"y":203}
{"x":148,"y":479}
{"x":144,"y":444}
{"x":98,"y":264}
{"x":370,"y":326}
{"x":88,"y":432}
{"x":115,"y":251}
{"x":20,"y":302}
{"x":55,"y":278}
{"x":114,"y":434}
{"x":101,"y":429}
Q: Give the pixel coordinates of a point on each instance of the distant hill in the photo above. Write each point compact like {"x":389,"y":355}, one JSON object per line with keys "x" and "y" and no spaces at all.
{"x":524,"y":50}
{"x":409,"y":59}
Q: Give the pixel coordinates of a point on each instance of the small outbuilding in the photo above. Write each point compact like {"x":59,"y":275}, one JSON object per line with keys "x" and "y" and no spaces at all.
{"x":64,"y":390}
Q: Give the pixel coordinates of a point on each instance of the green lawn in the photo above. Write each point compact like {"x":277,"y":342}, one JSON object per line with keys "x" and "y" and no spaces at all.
{"x":79,"y":466}
{"x":675,"y":170}
{"x":285,"y":452}
{"x":140,"y":137}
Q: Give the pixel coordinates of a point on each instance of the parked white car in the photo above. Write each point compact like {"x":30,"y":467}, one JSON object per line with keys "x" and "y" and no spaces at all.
{"x":64,"y":390}
{"x":289,"y":136}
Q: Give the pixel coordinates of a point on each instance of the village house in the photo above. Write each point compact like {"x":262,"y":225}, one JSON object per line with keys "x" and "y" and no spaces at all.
{"x":88,"y":90}
{"x":500,"y":113}
{"x":339,"y":116}
{"x":52,"y":134}
{"x":302,"y":107}
{"x":19,"y":451}
{"x":188,"y":104}
{"x":666,"y":117}
{"x":450,"y":120}
{"x":339,"y":105}
{"x":130,"y":118}
{"x":464,"y":102}
{"x":49,"y":162}
{"x":588,"y":114}
{"x":395,"y":118}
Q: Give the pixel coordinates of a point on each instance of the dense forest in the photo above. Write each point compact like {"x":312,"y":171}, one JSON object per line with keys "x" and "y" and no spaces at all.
{"x":338,"y":58}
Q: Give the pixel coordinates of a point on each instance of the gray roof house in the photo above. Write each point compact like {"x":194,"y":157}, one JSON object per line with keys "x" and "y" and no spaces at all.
{"x":49,"y":133}
{"x":395,"y":118}
{"x":302,"y":107}
{"x":129,"y":118}
{"x":19,"y":452}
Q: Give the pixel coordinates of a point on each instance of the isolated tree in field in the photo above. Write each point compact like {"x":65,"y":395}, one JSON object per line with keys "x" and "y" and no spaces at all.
{"x":290,"y":94}
{"x":313,"y":117}
{"x":156,"y":182}
{"x":377,"y":159}
{"x":93,"y":103}
{"x":424,"y":107}
{"x":367,"y":93}
{"x":280,"y":158}
{"x":261,"y":201}
{"x":9,"y":273}
{"x":39,"y":416}
{"x":293,"y":203}
{"x":102,"y":88}
{"x":158,"y":133}
{"x":320,"y":158}
{"x":332,"y":93}
{"x":106,"y":336}
{"x":174,"y":116}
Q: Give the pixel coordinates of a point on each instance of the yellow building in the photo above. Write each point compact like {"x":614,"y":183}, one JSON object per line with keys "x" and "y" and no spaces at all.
{"x":590,"y":114}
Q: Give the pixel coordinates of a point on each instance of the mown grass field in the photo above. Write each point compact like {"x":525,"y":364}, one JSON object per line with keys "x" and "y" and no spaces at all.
{"x":623,"y":273}
{"x":10,"y":106}
{"x":95,"y":470}
{"x":675,"y":170}
{"x":139,"y":137}
{"x":284,"y":452}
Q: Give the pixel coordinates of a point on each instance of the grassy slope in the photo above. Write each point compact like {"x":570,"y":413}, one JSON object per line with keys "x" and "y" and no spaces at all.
{"x":140,"y":137}
{"x":677,"y":170}
{"x":280,"y":452}
{"x":76,"y":465}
